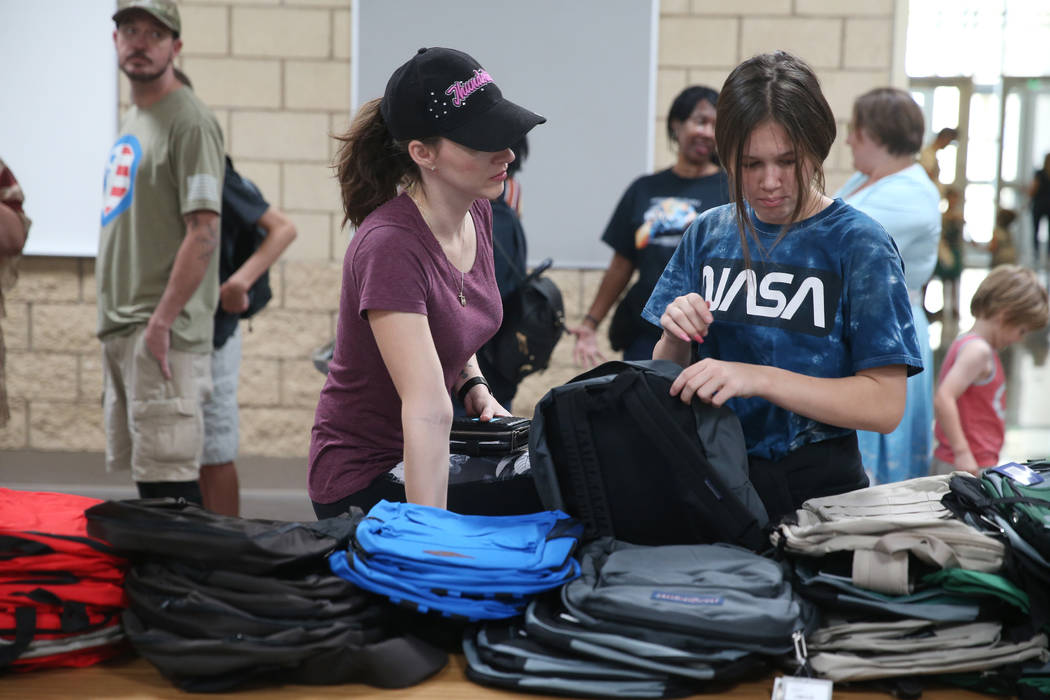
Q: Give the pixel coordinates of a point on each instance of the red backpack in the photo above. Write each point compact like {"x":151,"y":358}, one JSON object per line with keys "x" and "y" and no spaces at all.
{"x":61,"y":590}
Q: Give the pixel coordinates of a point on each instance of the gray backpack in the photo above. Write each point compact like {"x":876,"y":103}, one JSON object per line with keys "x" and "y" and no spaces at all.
{"x":688,"y":596}
{"x":645,"y":621}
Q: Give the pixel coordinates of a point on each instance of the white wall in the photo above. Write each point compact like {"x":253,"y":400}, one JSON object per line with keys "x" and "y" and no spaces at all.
{"x":58,"y":115}
{"x":586,"y":65}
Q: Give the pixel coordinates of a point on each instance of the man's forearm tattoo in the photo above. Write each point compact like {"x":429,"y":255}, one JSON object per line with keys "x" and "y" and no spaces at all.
{"x":205,"y":232}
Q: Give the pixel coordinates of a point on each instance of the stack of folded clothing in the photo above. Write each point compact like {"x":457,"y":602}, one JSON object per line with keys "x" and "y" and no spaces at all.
{"x":906,"y":588}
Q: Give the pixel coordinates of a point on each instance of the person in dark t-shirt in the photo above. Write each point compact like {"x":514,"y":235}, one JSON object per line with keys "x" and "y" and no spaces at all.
{"x":245,"y":215}
{"x":510,"y":255}
{"x":1039,"y":193}
{"x":647,"y":224}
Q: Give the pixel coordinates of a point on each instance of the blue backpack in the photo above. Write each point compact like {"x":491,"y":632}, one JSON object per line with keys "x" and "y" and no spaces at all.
{"x":471,"y":566}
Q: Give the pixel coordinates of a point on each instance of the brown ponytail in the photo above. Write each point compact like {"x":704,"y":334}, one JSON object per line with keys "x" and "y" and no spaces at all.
{"x":370,"y":164}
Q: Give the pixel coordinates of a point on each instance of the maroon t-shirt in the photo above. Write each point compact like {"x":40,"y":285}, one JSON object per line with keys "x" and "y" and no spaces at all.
{"x":393,"y":263}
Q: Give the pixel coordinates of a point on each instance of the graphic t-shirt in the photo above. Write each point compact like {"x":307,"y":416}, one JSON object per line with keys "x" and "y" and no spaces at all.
{"x":168,"y":161}
{"x":393,"y":263}
{"x":648,"y":224}
{"x":828,"y":300}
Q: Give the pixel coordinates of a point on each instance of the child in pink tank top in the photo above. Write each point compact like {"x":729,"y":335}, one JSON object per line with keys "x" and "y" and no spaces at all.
{"x":970,"y":400}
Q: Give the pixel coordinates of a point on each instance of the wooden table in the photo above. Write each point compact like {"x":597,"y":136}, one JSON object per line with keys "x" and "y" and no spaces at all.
{"x":133,"y":678}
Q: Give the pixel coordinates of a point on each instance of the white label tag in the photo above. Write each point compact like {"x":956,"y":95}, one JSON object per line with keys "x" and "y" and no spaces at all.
{"x":1019,"y":473}
{"x":795,"y":688}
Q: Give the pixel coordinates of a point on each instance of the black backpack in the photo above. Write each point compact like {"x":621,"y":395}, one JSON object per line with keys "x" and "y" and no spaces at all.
{"x":533,"y":323}
{"x":247,"y":241}
{"x":613,"y":448}
{"x":175,"y":529}
{"x":238,"y":241}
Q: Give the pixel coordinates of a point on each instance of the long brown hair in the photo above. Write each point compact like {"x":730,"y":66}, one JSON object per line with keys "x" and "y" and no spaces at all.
{"x":371,"y":164}
{"x":782,"y":88}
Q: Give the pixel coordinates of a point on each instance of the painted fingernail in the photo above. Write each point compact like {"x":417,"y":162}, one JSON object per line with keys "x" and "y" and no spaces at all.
{"x":698,"y":338}
{"x":684,"y":337}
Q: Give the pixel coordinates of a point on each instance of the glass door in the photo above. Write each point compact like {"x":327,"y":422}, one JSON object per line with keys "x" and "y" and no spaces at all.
{"x":1025,"y":135}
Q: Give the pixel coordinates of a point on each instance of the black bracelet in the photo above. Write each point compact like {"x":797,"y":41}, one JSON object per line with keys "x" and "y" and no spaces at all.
{"x":592,"y":319}
{"x":470,"y":384}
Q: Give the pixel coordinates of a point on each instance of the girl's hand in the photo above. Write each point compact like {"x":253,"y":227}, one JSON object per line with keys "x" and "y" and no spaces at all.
{"x":716,"y":381}
{"x":687,"y":318}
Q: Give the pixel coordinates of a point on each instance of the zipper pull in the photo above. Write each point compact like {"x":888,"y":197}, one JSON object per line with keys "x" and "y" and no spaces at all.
{"x":798,"y":639}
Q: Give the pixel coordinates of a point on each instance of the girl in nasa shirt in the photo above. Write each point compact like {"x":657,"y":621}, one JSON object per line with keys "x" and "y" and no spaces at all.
{"x":796,"y":302}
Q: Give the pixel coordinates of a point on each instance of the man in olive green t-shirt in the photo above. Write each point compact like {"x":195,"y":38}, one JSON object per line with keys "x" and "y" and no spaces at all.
{"x":156,"y":271}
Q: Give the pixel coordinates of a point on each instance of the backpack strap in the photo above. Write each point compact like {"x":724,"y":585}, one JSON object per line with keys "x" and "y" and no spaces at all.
{"x":12,"y":546}
{"x":578,"y":442}
{"x":25,"y":629}
{"x":73,"y":615}
{"x":521,"y":274}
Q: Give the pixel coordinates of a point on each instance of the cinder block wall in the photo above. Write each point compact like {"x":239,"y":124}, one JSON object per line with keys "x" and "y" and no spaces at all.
{"x":277,"y":74}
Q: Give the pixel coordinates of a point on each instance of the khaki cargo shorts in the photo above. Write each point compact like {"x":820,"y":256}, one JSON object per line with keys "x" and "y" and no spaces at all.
{"x":154,"y":426}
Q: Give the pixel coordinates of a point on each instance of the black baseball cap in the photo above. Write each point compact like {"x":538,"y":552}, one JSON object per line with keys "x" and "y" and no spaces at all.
{"x":444,"y":92}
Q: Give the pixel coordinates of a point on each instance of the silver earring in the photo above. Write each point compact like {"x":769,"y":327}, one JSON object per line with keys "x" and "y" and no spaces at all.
{"x":433,"y":167}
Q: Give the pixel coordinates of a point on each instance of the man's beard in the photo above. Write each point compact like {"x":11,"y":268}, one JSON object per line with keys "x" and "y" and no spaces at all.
{"x":143,"y":77}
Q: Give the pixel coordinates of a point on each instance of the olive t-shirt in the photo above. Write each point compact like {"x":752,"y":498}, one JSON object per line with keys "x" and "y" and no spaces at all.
{"x":168,"y":161}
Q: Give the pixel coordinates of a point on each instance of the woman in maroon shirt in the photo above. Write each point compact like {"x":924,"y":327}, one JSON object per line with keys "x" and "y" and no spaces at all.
{"x":419,"y":295}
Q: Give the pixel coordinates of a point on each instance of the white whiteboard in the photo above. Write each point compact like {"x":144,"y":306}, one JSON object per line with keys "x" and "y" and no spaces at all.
{"x":58,"y":115}
{"x":589,"y":66}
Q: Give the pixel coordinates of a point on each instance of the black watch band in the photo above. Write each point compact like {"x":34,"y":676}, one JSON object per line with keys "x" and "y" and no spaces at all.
{"x":470,"y":384}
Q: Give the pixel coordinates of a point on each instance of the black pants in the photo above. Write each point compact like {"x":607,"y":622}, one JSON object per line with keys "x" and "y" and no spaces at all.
{"x":819,"y":469}
{"x":514,"y":496}
{"x":189,"y":490}
{"x":1037,"y":216}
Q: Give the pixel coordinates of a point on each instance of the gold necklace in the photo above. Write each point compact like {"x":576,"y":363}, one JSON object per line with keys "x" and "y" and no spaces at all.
{"x":422,"y":213}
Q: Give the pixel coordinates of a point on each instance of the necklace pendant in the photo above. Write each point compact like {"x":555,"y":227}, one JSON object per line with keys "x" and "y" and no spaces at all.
{"x":462,"y":299}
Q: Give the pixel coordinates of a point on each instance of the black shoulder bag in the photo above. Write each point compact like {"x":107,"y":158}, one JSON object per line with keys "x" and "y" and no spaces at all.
{"x":533,"y":323}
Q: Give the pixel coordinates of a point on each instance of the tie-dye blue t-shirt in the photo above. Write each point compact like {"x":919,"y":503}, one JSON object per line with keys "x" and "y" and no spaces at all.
{"x":828,"y":300}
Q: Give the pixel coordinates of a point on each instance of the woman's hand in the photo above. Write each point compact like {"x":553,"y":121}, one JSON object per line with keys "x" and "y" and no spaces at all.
{"x":687,"y":318}
{"x":479,"y":402}
{"x":716,"y":381}
{"x":585,"y":352}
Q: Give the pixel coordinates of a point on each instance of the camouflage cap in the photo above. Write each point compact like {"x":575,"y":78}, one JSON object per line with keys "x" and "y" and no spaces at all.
{"x":164,"y":11}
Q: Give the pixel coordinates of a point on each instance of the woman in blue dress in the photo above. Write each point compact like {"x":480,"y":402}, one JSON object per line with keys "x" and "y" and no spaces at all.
{"x":891,"y":187}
